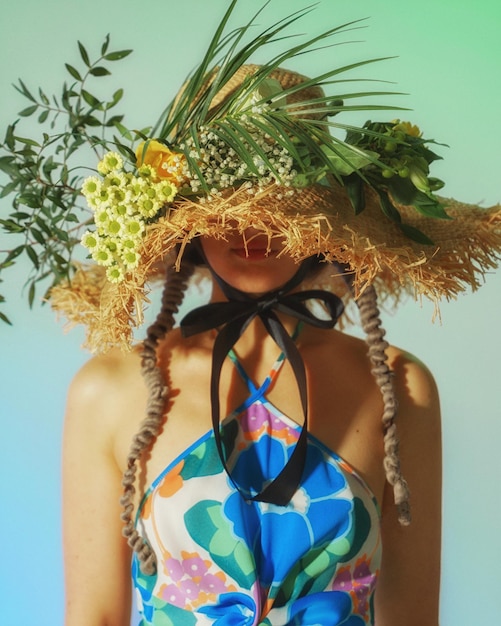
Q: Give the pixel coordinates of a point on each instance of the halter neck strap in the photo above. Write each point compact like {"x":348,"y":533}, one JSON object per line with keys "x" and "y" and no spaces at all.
{"x":233,"y":317}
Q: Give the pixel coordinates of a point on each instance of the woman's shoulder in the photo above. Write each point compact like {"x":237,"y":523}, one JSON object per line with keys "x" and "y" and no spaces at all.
{"x":412,"y":378}
{"x":413,"y":381}
{"x":107,"y":395}
{"x":104,"y":373}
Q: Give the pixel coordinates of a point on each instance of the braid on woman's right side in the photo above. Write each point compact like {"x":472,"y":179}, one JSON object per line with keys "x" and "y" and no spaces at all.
{"x":173,"y":294}
{"x":371,"y":323}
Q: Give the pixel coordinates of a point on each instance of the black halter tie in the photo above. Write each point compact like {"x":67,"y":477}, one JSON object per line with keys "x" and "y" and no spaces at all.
{"x":234,"y":316}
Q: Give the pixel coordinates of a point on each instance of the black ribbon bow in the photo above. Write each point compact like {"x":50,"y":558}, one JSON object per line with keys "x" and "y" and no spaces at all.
{"x":234,"y":316}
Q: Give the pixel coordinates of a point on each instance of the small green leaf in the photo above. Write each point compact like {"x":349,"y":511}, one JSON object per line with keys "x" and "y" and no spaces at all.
{"x":8,"y":188}
{"x":5,"y":319}
{"x":33,"y":256}
{"x":430,"y":207}
{"x":65,"y":97}
{"x":346,"y":160}
{"x":83,"y":54}
{"x":73,"y":71}
{"x":116,"y":119}
{"x":43,"y":116}
{"x":31,"y":294}
{"x":13,"y":254}
{"x":90,"y":120}
{"x":124,"y":150}
{"x":8,"y":165}
{"x":125,"y":132}
{"x":37,"y":236}
{"x":43,"y":225}
{"x":389,"y":209}
{"x":106,"y":43}
{"x":25,"y":91}
{"x":49,"y":166}
{"x":28,"y":110}
{"x":64,"y":174}
{"x":10,"y":140}
{"x":402,"y":190}
{"x":355,"y":189}
{"x":99,"y":71}
{"x":59,"y":259}
{"x":415,"y":234}
{"x":90,"y":99}
{"x":31,"y":200}
{"x":117,"y":96}
{"x":28,"y":142}
{"x":43,"y":97}
{"x":12,"y":227}
{"x":116,"y":56}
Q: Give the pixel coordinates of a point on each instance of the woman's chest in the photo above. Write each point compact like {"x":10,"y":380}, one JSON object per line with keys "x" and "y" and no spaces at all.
{"x":344,"y":416}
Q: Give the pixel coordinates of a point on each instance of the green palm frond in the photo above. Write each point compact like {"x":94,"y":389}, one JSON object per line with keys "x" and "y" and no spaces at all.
{"x":223,"y":59}
{"x":233,"y":120}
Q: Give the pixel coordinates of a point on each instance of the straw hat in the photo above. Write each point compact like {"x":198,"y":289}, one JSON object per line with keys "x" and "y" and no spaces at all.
{"x":403,"y":249}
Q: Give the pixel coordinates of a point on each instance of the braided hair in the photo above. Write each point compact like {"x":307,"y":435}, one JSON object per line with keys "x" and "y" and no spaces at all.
{"x":371,"y":324}
{"x":172,"y":297}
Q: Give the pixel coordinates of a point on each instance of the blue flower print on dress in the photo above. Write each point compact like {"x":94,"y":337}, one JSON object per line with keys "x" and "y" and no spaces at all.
{"x":312,"y":518}
{"x":233,"y":609}
{"x":324,"y":609}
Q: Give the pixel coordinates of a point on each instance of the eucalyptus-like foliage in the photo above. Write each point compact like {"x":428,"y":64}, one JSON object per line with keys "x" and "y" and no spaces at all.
{"x":45,"y":173}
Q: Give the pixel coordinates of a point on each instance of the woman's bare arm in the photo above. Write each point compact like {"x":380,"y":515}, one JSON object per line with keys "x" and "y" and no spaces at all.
{"x":97,"y":559}
{"x":408,"y":589}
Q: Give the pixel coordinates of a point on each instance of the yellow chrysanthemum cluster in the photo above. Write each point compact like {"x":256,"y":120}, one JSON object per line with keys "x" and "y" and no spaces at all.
{"x":123,"y":205}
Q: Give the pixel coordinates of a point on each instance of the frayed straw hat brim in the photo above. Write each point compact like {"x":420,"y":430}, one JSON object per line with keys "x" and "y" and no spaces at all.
{"x":316,"y":220}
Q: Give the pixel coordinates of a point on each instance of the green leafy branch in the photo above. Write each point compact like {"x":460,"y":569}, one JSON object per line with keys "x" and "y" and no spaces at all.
{"x":45,"y":174}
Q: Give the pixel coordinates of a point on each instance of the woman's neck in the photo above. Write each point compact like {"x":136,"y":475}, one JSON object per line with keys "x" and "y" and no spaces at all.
{"x":255,"y":337}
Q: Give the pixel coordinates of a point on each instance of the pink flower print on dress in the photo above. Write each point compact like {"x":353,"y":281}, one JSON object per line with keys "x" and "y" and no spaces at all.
{"x":173,"y":568}
{"x":194,"y":566}
{"x":364,"y":582}
{"x":213,"y":583}
{"x":359,"y":584}
{"x":173,"y":595}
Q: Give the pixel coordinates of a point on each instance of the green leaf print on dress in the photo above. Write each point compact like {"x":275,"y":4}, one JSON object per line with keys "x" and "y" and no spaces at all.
{"x":210,"y":529}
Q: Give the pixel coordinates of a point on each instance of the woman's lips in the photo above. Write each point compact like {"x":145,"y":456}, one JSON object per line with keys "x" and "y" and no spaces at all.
{"x":252,"y":253}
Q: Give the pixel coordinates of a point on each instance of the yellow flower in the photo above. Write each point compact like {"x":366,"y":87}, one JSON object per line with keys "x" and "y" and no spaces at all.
{"x":91,"y":187}
{"x":102,"y":256}
{"x":167,"y":164}
{"x":131,"y":259}
{"x":89,"y":240}
{"x":406,"y":127}
{"x":111,"y":162}
{"x":115,"y":274}
{"x":166,"y":191}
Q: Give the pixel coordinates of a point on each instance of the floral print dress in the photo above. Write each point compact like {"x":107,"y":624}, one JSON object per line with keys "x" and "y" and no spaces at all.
{"x":227,"y":561}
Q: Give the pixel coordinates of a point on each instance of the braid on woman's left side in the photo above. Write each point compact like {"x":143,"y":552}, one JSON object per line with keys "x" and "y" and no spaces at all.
{"x":172,"y":297}
{"x":371,"y":323}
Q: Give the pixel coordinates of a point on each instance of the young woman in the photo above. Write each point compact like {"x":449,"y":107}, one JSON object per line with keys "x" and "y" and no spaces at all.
{"x":335,"y":523}
{"x":266,"y":482}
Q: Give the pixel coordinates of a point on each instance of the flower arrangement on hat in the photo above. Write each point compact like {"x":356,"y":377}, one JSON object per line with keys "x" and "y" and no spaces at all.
{"x":240,"y":144}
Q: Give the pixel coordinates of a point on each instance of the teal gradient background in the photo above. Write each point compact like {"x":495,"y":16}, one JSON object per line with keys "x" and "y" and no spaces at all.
{"x":449,"y":59}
